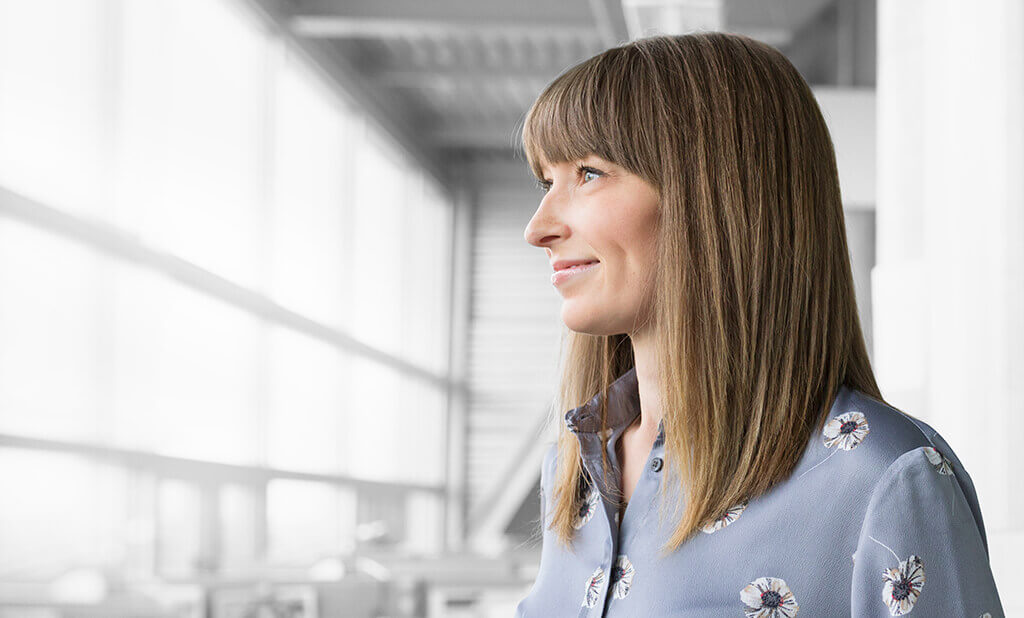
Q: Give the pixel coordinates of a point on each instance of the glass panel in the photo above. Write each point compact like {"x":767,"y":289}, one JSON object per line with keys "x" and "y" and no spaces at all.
{"x":427,"y":265}
{"x":52,"y":333}
{"x":399,"y":423}
{"x":440,"y":214}
{"x":287,"y":191}
{"x":420,"y":438}
{"x":192,"y":125}
{"x":374,"y":396}
{"x":379,"y":262}
{"x":187,"y":371}
{"x":302,"y":518}
{"x":312,"y":180}
{"x":238,"y":527}
{"x":179,"y":528}
{"x":307,"y":404}
{"x":69,"y":512}
{"x":348,"y":518}
{"x":52,"y":52}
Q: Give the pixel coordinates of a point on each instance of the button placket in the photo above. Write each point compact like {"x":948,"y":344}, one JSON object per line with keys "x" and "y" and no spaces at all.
{"x":637,"y":524}
{"x":592,"y":443}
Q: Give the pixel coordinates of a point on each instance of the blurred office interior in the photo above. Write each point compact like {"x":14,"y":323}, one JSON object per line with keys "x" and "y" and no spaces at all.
{"x":272,"y":342}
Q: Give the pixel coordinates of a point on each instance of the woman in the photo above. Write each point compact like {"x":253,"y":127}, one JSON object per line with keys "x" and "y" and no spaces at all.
{"x":693,"y":181}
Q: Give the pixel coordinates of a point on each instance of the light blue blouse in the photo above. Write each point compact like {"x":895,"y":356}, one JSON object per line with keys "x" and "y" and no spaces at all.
{"x":879,"y":518}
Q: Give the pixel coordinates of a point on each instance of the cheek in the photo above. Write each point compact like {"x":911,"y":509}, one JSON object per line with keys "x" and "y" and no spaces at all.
{"x":640,"y":265}
{"x":639,"y":245}
{"x":625,"y":237}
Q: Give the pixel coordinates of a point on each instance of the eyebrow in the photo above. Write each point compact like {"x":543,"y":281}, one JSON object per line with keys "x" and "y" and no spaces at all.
{"x":580,"y":159}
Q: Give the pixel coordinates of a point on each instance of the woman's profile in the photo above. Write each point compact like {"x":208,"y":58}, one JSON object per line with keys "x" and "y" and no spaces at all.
{"x":714,"y":370}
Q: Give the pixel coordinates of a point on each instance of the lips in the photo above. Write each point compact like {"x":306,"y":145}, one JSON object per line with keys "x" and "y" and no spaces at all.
{"x":574,"y":271}
{"x":564,"y":264}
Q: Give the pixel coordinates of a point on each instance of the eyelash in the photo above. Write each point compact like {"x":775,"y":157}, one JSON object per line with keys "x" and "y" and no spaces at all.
{"x":545,"y":185}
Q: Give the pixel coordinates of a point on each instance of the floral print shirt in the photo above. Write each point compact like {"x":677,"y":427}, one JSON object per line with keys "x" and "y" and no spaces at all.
{"x":879,"y":518}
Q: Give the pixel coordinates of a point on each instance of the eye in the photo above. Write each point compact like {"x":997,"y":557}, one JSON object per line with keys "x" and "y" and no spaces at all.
{"x":587,"y":170}
{"x":545,"y":185}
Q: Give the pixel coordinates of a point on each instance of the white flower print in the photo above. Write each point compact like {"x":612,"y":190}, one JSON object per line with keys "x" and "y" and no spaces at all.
{"x":938,"y":460}
{"x":593,"y":588}
{"x":622,"y":577}
{"x":846,"y":431}
{"x":587,"y":508}
{"x":903,"y":585}
{"x":769,"y":597}
{"x":725,"y":519}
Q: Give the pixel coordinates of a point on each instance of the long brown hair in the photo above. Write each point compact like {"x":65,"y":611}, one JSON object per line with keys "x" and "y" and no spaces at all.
{"x":754,"y":308}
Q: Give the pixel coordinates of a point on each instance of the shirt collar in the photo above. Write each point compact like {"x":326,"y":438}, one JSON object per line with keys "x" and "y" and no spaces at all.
{"x":623,"y":407}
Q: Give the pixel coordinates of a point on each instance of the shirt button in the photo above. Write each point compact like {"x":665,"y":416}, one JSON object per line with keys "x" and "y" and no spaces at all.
{"x":656,"y":464}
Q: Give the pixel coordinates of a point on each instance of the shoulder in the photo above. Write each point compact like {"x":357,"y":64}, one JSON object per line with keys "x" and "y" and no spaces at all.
{"x":883,"y":434}
{"x":920,"y":513}
{"x":892,"y":450}
{"x":865,"y":443}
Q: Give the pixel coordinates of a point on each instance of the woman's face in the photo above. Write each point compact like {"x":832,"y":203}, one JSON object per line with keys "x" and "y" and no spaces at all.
{"x":594,"y":210}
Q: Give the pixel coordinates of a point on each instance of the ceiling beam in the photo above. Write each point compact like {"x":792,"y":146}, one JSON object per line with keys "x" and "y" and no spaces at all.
{"x":534,"y":79}
{"x":459,"y":11}
{"x":373,"y":18}
{"x":333,"y":27}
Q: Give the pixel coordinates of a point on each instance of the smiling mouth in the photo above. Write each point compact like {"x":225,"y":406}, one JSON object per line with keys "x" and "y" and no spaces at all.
{"x":564,"y":274}
{"x":567,"y":264}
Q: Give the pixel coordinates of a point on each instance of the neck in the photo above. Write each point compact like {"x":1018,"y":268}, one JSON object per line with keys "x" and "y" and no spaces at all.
{"x":648,"y":382}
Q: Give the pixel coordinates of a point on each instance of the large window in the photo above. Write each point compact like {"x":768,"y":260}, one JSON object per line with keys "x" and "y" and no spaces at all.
{"x":223,"y":291}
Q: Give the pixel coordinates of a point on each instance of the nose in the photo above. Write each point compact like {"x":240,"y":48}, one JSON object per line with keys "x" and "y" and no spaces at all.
{"x":545,"y":226}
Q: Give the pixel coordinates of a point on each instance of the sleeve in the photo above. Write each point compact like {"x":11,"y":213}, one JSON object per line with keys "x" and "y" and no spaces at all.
{"x":546,"y":470}
{"x":922,"y":549}
{"x":534,"y":597}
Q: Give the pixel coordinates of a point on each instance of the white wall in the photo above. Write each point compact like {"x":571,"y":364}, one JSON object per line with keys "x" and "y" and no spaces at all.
{"x":949,"y":284}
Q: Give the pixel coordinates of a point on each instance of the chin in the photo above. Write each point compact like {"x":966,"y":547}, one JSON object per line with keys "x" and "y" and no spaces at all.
{"x":580,"y":318}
